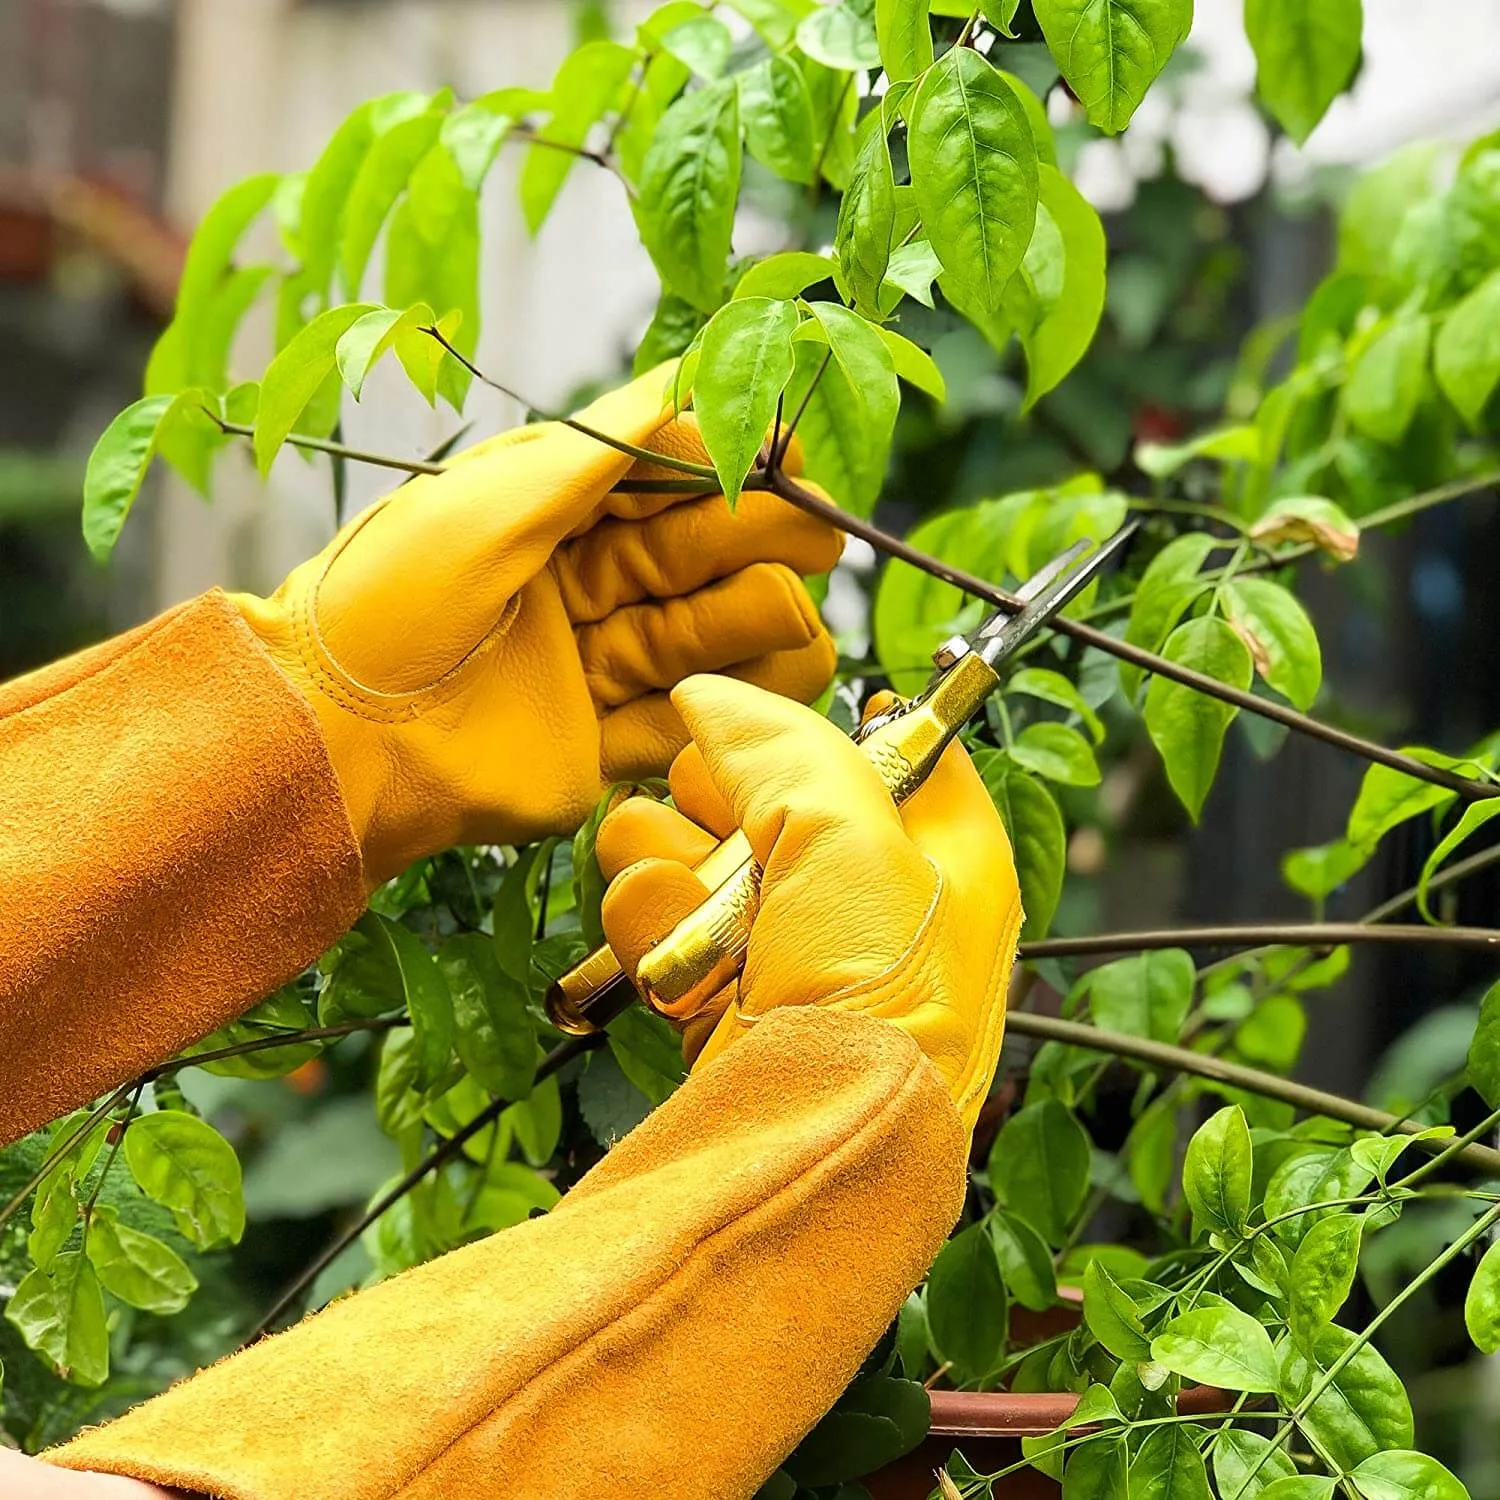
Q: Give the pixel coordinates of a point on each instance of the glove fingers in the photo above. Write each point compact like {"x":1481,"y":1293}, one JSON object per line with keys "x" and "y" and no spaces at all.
{"x":644,"y":903}
{"x":680,"y":550}
{"x":644,"y":647}
{"x":423,"y":579}
{"x":641,"y":828}
{"x":695,"y":794}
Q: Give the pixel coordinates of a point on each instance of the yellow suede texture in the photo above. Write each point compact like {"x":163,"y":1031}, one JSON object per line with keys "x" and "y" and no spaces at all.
{"x":492,"y":646}
{"x":670,"y":1330}
{"x":173,"y":848}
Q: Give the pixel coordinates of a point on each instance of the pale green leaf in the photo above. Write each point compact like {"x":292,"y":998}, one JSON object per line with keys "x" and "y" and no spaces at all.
{"x":1386,"y":384}
{"x":840,"y":36}
{"x":776,"y":109}
{"x":904,"y":36}
{"x":379,"y":182}
{"x":1482,"y":1304}
{"x":1305,"y":56}
{"x":1406,"y":1475}
{"x":1283,"y":644}
{"x":137,"y":1267}
{"x":785,"y":275}
{"x":1388,"y":797}
{"x":1484,"y":1049}
{"x":1466,"y":355}
{"x":1219,"y":1346}
{"x":1475,"y":816}
{"x":1216,"y":1173}
{"x":1053,"y":687}
{"x":1148,"y":994}
{"x":914,"y":364}
{"x":60,"y":1314}
{"x":295,"y":376}
{"x":187,"y":1166}
{"x":1168,"y":586}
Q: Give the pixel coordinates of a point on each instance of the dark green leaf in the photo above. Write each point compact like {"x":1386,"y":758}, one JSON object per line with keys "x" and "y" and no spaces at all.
{"x":875,"y":1421}
{"x":137,"y":1267}
{"x":1039,"y":1167}
{"x":648,"y":1051}
{"x":1366,"y":1408}
{"x":674,"y":326}
{"x":1038,"y":837}
{"x":966,"y":1308}
{"x":1025,"y":1261}
{"x":424,"y":990}
{"x":690,"y":182}
{"x":187,"y":1166}
{"x":1217,"y":1170}
{"x":1237,"y":1453}
{"x":1112,"y":1317}
{"x":494,"y":1034}
{"x":1110,"y":51}
{"x":1219,"y":1346}
{"x":611,"y":1105}
{"x":1095,"y":1468}
{"x":1186,"y":726}
{"x":745,"y":364}
{"x":974,"y":172}
{"x":1305,"y":57}
{"x":1168,"y":1466}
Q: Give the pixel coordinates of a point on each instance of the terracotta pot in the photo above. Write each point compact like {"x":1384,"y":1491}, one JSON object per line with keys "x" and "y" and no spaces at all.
{"x":988,"y":1426}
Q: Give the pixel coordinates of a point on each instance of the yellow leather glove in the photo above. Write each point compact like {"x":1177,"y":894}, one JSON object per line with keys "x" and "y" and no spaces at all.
{"x":488,"y":648}
{"x":908,"y":914}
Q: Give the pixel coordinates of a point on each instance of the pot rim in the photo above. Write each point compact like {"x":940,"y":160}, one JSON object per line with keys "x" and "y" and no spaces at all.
{"x":1033,"y":1413}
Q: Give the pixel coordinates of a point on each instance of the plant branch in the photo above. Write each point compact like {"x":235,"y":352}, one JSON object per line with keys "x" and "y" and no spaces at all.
{"x":789,"y":489}
{"x":1483,"y":1159}
{"x":584,"y":153}
{"x":338,"y":450}
{"x":644,"y":455}
{"x":439,"y":1156}
{"x":1258,"y":935}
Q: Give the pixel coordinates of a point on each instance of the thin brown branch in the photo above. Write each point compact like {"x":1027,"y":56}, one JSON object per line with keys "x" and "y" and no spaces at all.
{"x":599,"y":158}
{"x":1294,"y":934}
{"x":799,"y":495}
{"x":773,"y":469}
{"x":438,"y":1157}
{"x":1483,"y":1159}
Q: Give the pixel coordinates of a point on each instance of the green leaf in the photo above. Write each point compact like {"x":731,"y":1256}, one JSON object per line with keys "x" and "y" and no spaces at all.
{"x":1300,"y":1487}
{"x":1025,"y":1261}
{"x":840,"y":36}
{"x":1318,"y":1175}
{"x":1406,"y":1476}
{"x":1056,"y":752}
{"x":508,"y":1195}
{"x":379,"y":182}
{"x":1482,"y":1304}
{"x":493,"y":1031}
{"x":904,"y":36}
{"x":777,"y":112}
{"x":187,"y":1166}
{"x":914,"y":364}
{"x":296,"y":375}
{"x":1387,"y":798}
{"x":1319,"y":871}
{"x":1167,"y":587}
{"x":1038,"y":837}
{"x":117,"y":466}
{"x":1241,"y":443}
{"x":472,"y":136}
{"x":1056,"y":330}
{"x":876,"y":1420}
{"x":1466,"y":355}
{"x":1484,"y":1049}
{"x":1283,"y":644}
{"x":1386,"y":384}
{"x":1309,"y":518}
{"x":1219,"y":1346}
{"x":1168,"y":1466}
{"x":912,"y":270}
{"x":674,"y":326}
{"x":867,"y":217}
{"x":60,"y":1314}
{"x":690,"y":182}
{"x":648,"y":1051}
{"x":701,"y":43}
{"x":1305,"y":57}
{"x":1217,"y":1170}
{"x":586,"y":85}
{"x":785,"y":275}
{"x":1039,"y":1167}
{"x":137,"y":1267}
{"x":1148,"y":994}
{"x":423,"y":988}
{"x":1476,"y":815}
{"x":1323,"y":1275}
{"x":1239,"y":1453}
{"x":360,"y":349}
{"x":966,"y":1303}
{"x":537,"y":1122}
{"x":850,"y":412}
{"x":1096,"y":1407}
{"x":1377,"y":1154}
{"x":1271,"y":1036}
{"x":1112,"y":1317}
{"x":1366,"y":1408}
{"x":1110,"y":51}
{"x":1186,"y":726}
{"x":775,"y":20}
{"x":974,"y":172}
{"x":1053,"y":687}
{"x":745,"y":364}
{"x":1094,"y":1468}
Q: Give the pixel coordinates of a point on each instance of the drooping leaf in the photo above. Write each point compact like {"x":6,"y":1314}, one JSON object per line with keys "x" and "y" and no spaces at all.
{"x":1167,"y":587}
{"x":974,"y":172}
{"x":137,"y":1267}
{"x":690,"y":182}
{"x":904,"y":36}
{"x":1305,"y":57}
{"x":60,"y":1314}
{"x":1039,"y":1167}
{"x":362,"y":346}
{"x":1025,"y":1261}
{"x":1038,"y":837}
{"x":1484,"y":1049}
{"x":1186,"y":726}
{"x":867,"y":218}
{"x":1309,"y":518}
{"x":1217,"y":1170}
{"x":493,"y":1031}
{"x":1110,"y":51}
{"x":1112,"y":1317}
{"x":1365,"y":1410}
{"x":1482,"y":1303}
{"x":1282,"y":641}
{"x":966,"y":1311}
{"x":424,"y":990}
{"x":777,"y":112}
{"x":1219,"y":1346}
{"x":381,"y":178}
{"x":914,"y":364}
{"x":187,"y":1166}
{"x":1388,"y":797}
{"x":1475,"y":816}
{"x":1466,"y":354}
{"x":1053,"y":687}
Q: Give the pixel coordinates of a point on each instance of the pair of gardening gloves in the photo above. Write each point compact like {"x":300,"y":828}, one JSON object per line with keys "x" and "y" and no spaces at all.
{"x":484,"y":654}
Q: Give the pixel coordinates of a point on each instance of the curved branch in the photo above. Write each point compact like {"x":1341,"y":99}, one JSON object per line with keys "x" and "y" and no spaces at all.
{"x":1258,"y":935}
{"x":1483,"y":1159}
{"x":796,"y":494}
{"x":338,"y":450}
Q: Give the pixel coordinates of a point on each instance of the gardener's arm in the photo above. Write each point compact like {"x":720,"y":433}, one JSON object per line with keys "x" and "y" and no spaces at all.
{"x":192,"y":812}
{"x":688,"y":1311}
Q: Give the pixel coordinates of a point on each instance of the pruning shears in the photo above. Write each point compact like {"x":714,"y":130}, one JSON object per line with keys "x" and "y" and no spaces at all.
{"x":706,"y":950}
